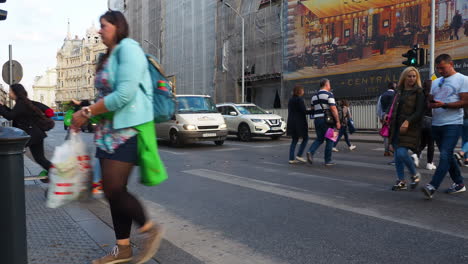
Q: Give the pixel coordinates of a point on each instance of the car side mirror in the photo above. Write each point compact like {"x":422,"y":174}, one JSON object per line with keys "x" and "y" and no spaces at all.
{"x":233,"y":113}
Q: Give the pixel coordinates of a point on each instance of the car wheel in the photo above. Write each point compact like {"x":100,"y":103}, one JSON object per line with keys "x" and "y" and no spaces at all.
{"x":275,"y":137}
{"x":244,"y":133}
{"x":174,"y":138}
{"x":219,"y":142}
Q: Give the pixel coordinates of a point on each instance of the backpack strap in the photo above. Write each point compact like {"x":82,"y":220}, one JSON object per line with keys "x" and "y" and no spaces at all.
{"x":157,"y":65}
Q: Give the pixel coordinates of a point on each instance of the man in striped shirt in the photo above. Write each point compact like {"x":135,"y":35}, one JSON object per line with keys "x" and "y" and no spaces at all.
{"x":322,"y":101}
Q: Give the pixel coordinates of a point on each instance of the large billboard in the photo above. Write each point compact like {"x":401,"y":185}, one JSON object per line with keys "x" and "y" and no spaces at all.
{"x":358,"y":44}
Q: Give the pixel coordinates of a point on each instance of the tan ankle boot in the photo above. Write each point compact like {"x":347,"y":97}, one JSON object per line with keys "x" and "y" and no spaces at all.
{"x":119,"y":254}
{"x":152,"y":241}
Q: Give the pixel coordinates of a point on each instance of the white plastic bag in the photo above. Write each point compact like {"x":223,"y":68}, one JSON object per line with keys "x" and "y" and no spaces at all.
{"x":71,"y":173}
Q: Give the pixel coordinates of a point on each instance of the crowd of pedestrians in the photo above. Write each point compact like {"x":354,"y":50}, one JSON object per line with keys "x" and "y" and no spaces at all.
{"x":418,"y":115}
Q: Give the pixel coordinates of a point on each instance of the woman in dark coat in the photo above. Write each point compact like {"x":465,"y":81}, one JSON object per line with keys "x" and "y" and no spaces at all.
{"x":297,"y":124}
{"x":25,"y":115}
{"x":405,"y":125}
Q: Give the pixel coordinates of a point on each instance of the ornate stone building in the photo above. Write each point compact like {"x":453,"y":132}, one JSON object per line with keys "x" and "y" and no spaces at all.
{"x":44,"y":88}
{"x":76,"y":66}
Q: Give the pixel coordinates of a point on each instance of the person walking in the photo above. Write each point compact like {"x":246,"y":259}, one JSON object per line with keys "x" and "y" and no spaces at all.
{"x":25,"y":115}
{"x":324,"y":107}
{"x":462,"y":156}
{"x":405,"y":125}
{"x":449,"y":95}
{"x":426,"y":132}
{"x":123,"y":82}
{"x":384,"y":103}
{"x":344,"y":114}
{"x":297,"y":124}
{"x":457,"y":23}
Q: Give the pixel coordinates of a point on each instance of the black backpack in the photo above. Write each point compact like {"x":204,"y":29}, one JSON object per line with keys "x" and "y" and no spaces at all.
{"x":44,"y":122}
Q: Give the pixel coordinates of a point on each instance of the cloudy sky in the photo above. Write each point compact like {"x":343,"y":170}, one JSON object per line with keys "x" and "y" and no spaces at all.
{"x":36,"y":29}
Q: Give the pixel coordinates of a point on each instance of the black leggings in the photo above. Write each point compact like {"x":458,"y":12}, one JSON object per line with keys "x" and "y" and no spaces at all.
{"x":124,"y":207}
{"x":427,"y":140}
{"x":37,"y":151}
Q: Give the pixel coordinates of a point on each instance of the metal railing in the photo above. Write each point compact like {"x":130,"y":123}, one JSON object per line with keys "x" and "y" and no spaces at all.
{"x":364,"y":114}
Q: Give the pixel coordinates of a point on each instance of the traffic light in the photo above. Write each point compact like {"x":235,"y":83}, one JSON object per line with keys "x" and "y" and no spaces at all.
{"x":422,"y":52}
{"x":411,"y":57}
{"x":3,"y":13}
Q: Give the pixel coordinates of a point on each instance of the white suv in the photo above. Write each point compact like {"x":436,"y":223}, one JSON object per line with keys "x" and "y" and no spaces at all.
{"x":248,"y":120}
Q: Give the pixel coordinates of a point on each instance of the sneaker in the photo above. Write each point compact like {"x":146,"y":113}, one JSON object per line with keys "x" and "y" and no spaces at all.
{"x":466,"y":163}
{"x":459,"y":158}
{"x":428,"y":190}
{"x":119,"y":254}
{"x":310,"y":157}
{"x":415,"y":179}
{"x":44,"y":173}
{"x":387,"y":154}
{"x":391,"y":163}
{"x":293,"y":161}
{"x":301,"y":159}
{"x":352,"y":147}
{"x":152,"y":241}
{"x":431,"y":166}
{"x":97,"y":188}
{"x":399,"y":185}
{"x":330,"y":163}
{"x":415,"y":160}
{"x":335,"y":150}
{"x":456,"y":188}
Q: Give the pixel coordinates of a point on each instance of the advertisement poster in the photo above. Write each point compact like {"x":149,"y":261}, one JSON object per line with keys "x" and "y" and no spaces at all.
{"x":358,"y":44}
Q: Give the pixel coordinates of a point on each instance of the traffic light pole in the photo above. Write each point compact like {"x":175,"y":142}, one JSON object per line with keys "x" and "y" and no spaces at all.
{"x":10,"y":66}
{"x":432,"y":52}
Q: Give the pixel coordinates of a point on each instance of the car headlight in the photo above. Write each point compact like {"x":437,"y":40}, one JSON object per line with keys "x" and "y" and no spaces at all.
{"x":222,"y":126}
{"x":190,"y":127}
{"x":257,"y":120}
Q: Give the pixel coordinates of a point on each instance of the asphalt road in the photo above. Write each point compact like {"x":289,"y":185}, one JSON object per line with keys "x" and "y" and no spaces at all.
{"x":243,"y":203}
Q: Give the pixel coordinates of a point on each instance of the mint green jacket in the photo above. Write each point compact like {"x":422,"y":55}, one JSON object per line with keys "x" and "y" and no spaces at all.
{"x":128,"y":76}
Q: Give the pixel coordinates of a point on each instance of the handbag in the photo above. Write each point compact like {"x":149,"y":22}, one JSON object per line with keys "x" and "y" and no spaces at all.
{"x":385,"y":130}
{"x":351,"y":127}
{"x":331,"y":134}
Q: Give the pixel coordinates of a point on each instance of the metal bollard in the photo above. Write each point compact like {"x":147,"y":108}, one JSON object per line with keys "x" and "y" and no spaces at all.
{"x":13,"y":247}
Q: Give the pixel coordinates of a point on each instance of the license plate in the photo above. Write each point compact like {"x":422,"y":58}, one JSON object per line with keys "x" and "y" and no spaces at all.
{"x":276,"y":128}
{"x":209,"y":135}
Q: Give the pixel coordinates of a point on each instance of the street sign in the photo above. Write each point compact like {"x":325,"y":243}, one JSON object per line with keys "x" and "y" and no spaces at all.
{"x":17,"y":72}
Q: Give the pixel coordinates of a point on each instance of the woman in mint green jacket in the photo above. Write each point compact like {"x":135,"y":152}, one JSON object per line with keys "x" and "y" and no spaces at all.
{"x":124,"y":101}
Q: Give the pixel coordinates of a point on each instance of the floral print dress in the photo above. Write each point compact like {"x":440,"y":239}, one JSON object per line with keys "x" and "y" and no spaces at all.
{"x":106,"y":137}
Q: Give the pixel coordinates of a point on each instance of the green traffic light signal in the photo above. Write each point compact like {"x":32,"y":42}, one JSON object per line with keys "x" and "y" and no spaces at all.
{"x":412,"y":58}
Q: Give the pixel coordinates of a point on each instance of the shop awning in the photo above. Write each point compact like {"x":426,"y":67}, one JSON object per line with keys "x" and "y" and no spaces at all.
{"x":332,"y":8}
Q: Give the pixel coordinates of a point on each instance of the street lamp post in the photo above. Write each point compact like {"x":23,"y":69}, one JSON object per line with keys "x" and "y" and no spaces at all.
{"x":243,"y":48}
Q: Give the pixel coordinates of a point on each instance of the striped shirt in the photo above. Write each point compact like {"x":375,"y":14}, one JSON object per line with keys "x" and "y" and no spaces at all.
{"x":322,"y":99}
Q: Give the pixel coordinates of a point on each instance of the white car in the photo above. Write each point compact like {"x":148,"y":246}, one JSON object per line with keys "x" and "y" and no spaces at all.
{"x":248,"y":120}
{"x":196,"y":119}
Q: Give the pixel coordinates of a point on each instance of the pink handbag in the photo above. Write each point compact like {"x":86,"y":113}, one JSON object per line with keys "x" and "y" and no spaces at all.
{"x":331,"y":134}
{"x":385,"y":130}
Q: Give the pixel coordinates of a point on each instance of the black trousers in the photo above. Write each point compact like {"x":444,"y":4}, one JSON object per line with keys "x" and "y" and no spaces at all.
{"x":37,"y":151}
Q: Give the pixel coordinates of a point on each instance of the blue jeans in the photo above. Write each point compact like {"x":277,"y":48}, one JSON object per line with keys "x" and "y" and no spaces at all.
{"x":465,"y":138}
{"x":446,"y":138}
{"x":343,"y":132}
{"x":292,"y":148}
{"x":403,"y":158}
{"x":321,"y":128}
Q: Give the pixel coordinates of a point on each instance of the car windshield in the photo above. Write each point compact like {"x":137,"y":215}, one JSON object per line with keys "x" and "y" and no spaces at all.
{"x":195,"y":104}
{"x":251,"y":110}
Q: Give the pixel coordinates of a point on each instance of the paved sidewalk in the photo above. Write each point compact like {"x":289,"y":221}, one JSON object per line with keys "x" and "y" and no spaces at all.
{"x":68,"y":235}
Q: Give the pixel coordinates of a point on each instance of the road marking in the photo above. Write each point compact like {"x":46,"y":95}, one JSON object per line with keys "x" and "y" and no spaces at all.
{"x":227,"y":149}
{"x":209,"y":246}
{"x":250,"y":145}
{"x":172,"y":152}
{"x":307,"y":196}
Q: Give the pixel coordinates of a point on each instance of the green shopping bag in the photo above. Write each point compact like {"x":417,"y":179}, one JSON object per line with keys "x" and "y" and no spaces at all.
{"x":152,"y":169}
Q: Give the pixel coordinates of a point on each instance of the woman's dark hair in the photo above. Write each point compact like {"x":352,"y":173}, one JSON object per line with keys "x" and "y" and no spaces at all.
{"x":297,"y":89}
{"x":117,"y":19}
{"x":344,"y":102}
{"x":22,"y":97}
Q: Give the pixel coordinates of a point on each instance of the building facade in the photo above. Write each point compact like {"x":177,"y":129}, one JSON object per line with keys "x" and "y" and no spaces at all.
{"x":44,"y":88}
{"x":76,"y":67}
{"x":3,"y":95}
{"x":199,"y":43}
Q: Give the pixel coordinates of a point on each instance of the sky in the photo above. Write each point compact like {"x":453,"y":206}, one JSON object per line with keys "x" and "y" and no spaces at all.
{"x":36,"y":30}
